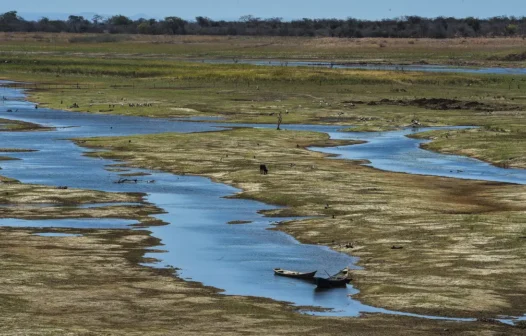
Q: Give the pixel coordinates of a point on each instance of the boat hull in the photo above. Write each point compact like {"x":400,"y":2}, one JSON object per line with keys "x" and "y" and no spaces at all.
{"x":295,"y":275}
{"x":331,"y":283}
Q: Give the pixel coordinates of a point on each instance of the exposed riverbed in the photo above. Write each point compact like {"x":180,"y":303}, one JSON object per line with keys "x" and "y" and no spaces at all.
{"x":236,"y":258}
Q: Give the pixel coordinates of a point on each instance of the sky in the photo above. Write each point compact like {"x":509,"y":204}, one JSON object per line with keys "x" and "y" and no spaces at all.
{"x":287,"y":9}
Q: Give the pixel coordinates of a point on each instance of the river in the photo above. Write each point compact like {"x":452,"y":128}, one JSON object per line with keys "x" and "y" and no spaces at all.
{"x":236,"y":258}
{"x":372,"y":66}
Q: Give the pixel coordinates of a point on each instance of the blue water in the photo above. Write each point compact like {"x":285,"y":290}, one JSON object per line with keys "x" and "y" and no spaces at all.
{"x":57,"y":234}
{"x":197,"y":238}
{"x":394,"y":151}
{"x":386,"y":67}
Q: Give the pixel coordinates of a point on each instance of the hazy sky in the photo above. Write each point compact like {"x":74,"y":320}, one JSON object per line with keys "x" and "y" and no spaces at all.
{"x":229,"y":9}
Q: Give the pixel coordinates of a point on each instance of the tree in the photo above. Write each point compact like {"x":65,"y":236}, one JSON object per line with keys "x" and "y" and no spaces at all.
{"x":403,"y":27}
{"x":75,"y":23}
{"x":414,"y":20}
{"x":175,"y":25}
{"x":10,"y":21}
{"x":511,"y":29}
{"x":97,"y":19}
{"x":144,"y":27}
{"x":120,"y":20}
{"x":203,"y":21}
{"x":474,"y":24}
{"x":10,"y":17}
{"x":247,"y":18}
{"x":44,"y":25}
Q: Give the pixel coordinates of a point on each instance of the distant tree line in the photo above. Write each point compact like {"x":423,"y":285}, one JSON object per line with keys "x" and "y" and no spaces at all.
{"x":403,"y":27}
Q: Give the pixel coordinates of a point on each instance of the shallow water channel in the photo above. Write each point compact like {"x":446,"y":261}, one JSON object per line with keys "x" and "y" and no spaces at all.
{"x":381,"y":67}
{"x":236,"y":258}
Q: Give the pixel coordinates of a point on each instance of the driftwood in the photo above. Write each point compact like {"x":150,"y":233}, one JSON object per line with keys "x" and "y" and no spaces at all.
{"x":127,"y":181}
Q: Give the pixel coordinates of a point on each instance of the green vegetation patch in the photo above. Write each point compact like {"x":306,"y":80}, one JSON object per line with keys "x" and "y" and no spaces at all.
{"x":502,"y":147}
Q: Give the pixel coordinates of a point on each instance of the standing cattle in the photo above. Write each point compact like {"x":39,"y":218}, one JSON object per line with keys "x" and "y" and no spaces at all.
{"x":263,"y":169}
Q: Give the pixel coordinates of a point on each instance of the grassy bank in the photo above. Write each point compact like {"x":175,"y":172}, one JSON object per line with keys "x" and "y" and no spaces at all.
{"x":461,"y":51}
{"x":372,"y":100}
{"x":15,"y":125}
{"x":367,"y":100}
{"x":34,"y":202}
{"x":503,"y":147}
{"x":92,"y":284}
{"x":466,"y":233}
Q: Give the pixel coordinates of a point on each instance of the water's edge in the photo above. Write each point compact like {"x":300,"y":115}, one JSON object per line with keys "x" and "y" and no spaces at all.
{"x":158,"y":198}
{"x":370,"y":66}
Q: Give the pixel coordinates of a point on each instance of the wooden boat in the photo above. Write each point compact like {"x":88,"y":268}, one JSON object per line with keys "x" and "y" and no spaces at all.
{"x":294,"y":274}
{"x":340,"y":279}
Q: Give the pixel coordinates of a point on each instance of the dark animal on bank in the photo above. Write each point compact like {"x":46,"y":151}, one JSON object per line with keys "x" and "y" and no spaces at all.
{"x":263,"y":169}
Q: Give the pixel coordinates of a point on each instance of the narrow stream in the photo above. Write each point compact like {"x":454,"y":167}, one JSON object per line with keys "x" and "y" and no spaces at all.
{"x":394,"y":151}
{"x":382,"y":67}
{"x":236,"y":258}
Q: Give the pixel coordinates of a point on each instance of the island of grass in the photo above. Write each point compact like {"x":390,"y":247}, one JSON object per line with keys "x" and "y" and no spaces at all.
{"x":16,"y":125}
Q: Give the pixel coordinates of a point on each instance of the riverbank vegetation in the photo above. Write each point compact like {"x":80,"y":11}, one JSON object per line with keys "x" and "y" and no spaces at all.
{"x":502,"y":147}
{"x":16,"y":125}
{"x":402,"y":27}
{"x":460,"y":51}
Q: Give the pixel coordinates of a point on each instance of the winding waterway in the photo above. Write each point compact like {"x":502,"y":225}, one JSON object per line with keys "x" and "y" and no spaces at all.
{"x":382,"y":67}
{"x":197,"y":238}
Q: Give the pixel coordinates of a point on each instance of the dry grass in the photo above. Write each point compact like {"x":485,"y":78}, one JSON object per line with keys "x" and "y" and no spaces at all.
{"x":17,"y":193}
{"x":462,"y":255}
{"x":499,"y":146}
{"x":92,"y":285}
{"x":449,"y":51}
{"x":32,"y":202}
{"x":318,"y":42}
{"x":15,"y":125}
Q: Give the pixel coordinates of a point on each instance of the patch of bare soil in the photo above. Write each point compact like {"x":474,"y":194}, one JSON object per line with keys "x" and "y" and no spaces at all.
{"x":514,"y":57}
{"x":443,"y":104}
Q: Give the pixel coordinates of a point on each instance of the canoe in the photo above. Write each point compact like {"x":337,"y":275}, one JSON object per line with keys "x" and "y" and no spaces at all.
{"x":340,"y":279}
{"x":330,"y":282}
{"x":294,"y":274}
